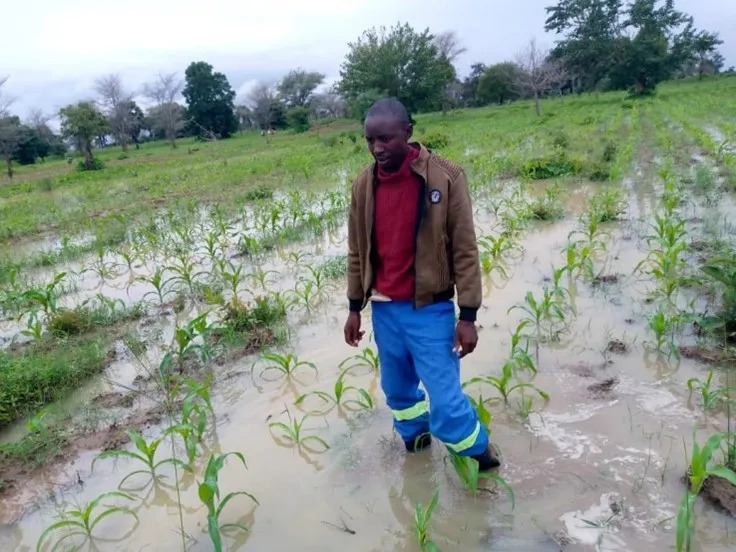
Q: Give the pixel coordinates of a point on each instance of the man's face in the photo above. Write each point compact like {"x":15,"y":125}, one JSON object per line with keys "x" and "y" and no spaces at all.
{"x":388,"y":141}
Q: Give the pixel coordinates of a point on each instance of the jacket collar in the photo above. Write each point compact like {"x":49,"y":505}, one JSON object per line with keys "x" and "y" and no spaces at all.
{"x":419,"y":165}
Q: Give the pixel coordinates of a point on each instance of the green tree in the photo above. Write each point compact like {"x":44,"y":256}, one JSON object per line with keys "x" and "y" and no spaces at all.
{"x":499,"y":83}
{"x":396,"y":62}
{"x":298,"y":118}
{"x":11,"y":132}
{"x":210,"y":102}
{"x":135,"y":118}
{"x":705,"y":50}
{"x":83,"y":123}
{"x":589,"y":28}
{"x":30,"y":146}
{"x":632,"y":46}
{"x":470,"y":84}
{"x":297,"y":87}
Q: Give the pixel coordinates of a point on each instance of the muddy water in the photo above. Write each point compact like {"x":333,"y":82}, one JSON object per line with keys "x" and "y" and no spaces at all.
{"x":599,"y":469}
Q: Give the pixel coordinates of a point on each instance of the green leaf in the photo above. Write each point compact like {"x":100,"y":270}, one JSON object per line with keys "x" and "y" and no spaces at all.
{"x":111,"y":511}
{"x":59,"y":525}
{"x":725,"y":473}
{"x":229,"y":497}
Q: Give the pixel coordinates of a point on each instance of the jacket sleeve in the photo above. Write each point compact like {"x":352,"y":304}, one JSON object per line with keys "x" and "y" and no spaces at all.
{"x":466,"y":264}
{"x":356,"y":293}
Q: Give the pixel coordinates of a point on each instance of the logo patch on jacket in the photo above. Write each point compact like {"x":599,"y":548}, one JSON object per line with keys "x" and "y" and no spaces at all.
{"x":435,"y":196}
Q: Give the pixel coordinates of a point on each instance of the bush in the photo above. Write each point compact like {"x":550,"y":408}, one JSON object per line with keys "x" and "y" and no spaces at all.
{"x":330,"y":141}
{"x":259,"y":192}
{"x":436,"y":140}
{"x":609,"y":152}
{"x":551,"y":166}
{"x":245,"y":318}
{"x":95,"y":165}
{"x":561,"y":141}
{"x":298,"y":118}
{"x":599,"y":172}
{"x":66,"y":323}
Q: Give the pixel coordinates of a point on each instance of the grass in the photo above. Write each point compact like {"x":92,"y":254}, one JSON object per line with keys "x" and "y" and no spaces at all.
{"x":34,"y":378}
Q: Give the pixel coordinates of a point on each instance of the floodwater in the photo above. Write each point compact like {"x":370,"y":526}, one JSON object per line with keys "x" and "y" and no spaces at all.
{"x":590,"y":470}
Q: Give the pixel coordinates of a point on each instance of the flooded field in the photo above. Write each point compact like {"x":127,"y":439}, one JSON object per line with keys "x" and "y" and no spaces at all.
{"x":596,"y":432}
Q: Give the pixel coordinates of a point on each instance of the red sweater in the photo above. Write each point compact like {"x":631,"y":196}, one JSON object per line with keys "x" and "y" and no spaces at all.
{"x":396,"y":203}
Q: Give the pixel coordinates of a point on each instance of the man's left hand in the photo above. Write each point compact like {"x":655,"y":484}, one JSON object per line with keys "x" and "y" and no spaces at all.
{"x":466,"y":338}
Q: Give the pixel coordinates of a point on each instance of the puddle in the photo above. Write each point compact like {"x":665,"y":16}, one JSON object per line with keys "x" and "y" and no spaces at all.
{"x":614,"y":460}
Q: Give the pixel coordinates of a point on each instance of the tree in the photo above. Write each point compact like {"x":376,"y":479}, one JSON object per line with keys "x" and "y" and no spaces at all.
{"x":135,"y":117}
{"x":10,"y":137}
{"x":589,"y":27}
{"x":167,"y":115}
{"x":298,"y":118}
{"x":5,"y":100}
{"x":500,"y":83}
{"x":538,"y":74}
{"x":266,"y":107}
{"x":328,"y":105}
{"x":634,"y":46}
{"x":396,"y":62}
{"x":297,"y":87}
{"x":705,"y":50}
{"x":115,"y":101}
{"x":210,"y":102}
{"x":448,"y":46}
{"x":166,"y":121}
{"x":470,"y":84}
{"x":83,"y":123}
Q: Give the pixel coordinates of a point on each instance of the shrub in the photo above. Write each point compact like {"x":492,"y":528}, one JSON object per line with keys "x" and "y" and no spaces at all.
{"x":259,"y":192}
{"x":245,"y":318}
{"x":436,"y":140}
{"x":609,"y":151}
{"x":95,"y":165}
{"x":66,"y":323}
{"x":298,"y":119}
{"x":551,"y":166}
{"x":561,"y":141}
{"x":599,"y":172}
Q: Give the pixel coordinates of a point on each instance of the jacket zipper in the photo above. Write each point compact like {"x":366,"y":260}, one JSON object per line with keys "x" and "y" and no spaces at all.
{"x":421,"y":207}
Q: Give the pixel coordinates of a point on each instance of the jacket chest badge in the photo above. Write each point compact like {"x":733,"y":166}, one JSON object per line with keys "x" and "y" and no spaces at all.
{"x":435,"y":196}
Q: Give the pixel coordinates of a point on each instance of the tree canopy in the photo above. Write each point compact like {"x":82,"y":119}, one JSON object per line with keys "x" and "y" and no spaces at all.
{"x":210,"y":102}
{"x":397,"y":62}
{"x":297,"y":87}
{"x":499,"y":83}
{"x":82,"y":123}
{"x":633,"y":45}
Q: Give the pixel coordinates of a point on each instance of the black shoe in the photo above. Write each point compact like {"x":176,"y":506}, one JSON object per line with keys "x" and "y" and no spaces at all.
{"x":419,"y":443}
{"x":487,"y":461}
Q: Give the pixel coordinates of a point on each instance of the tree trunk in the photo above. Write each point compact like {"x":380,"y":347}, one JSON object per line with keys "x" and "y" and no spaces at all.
{"x":89,"y":159}
{"x":537,"y":108}
{"x":9,"y":165}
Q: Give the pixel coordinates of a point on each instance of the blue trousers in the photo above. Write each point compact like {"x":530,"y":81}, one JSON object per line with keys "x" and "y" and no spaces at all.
{"x":415,"y":345}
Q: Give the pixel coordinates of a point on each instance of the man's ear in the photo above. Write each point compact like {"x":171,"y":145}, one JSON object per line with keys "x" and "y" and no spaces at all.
{"x":409,"y":131}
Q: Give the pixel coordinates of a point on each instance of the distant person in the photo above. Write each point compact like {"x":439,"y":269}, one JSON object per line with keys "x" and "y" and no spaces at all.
{"x":411,"y":243}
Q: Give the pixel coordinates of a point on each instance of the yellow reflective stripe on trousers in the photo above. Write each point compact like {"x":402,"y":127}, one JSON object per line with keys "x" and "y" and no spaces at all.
{"x":411,"y":412}
{"x":468,"y":442}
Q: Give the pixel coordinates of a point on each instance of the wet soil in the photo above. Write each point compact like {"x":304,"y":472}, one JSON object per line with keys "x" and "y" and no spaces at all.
{"x":721,"y":493}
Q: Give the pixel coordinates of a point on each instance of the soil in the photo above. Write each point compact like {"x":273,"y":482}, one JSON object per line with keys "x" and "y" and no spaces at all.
{"x":606,"y":279}
{"x":603,"y":389}
{"x":703,"y":354}
{"x":16,"y":473}
{"x":721,"y":493}
{"x":115,"y":399}
{"x":618,"y":347}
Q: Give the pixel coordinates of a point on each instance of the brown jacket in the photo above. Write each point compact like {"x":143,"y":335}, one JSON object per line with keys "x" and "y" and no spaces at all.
{"x":446,"y":248}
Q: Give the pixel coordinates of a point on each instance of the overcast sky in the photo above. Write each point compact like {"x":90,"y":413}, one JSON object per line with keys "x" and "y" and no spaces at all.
{"x":54,"y":49}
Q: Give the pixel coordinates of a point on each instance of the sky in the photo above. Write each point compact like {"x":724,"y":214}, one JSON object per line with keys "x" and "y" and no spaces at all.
{"x":53,"y":50}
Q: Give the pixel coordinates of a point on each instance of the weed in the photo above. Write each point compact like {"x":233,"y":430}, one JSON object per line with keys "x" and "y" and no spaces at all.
{"x":549,"y":206}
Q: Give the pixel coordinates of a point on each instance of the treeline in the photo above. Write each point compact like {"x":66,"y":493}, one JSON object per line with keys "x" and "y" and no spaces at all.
{"x":603,"y":44}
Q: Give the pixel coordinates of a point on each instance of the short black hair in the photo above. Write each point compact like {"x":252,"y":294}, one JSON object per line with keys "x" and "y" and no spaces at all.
{"x":390,"y":107}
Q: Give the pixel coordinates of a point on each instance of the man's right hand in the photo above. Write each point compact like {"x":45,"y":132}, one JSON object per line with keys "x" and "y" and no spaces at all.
{"x":353,"y":335}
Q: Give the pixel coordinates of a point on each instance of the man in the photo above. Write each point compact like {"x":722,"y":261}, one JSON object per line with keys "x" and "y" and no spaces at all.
{"x":411,"y":242}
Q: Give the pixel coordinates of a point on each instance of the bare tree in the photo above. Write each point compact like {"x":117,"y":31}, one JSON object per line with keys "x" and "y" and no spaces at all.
{"x":538,"y":73}
{"x":329,"y":104}
{"x":168,"y":114}
{"x":116,"y":101}
{"x":10,"y":130}
{"x":263,"y":102}
{"x":448,"y":46}
{"x":5,"y":100}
